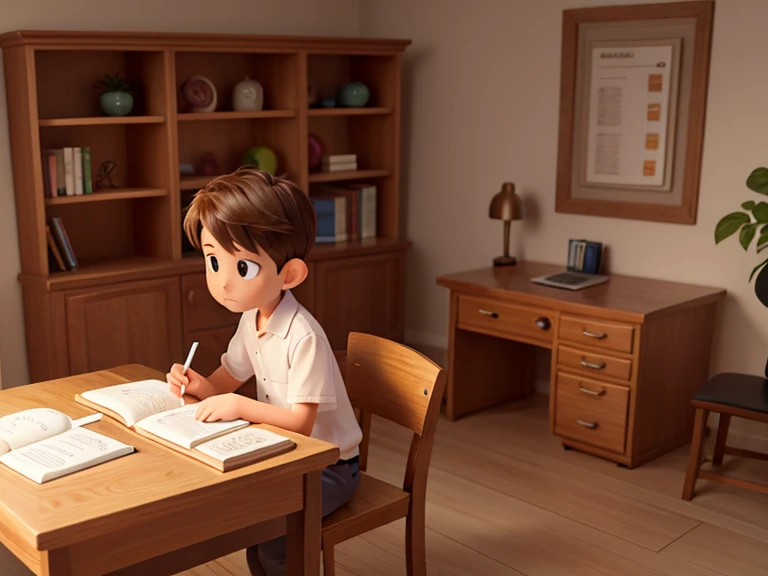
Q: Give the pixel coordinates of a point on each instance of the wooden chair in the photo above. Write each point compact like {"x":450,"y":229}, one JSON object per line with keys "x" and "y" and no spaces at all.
{"x":394,"y":382}
{"x":729,"y":394}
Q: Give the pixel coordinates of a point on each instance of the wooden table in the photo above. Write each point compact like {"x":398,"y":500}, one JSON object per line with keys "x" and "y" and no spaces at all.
{"x":155,"y":511}
{"x":627,"y":355}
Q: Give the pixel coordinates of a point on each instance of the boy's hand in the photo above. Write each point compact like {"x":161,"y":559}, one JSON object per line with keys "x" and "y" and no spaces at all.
{"x":220,"y":407}
{"x":196,"y":385}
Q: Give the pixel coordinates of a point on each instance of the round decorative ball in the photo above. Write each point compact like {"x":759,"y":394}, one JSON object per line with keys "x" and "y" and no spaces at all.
{"x":199,"y":94}
{"x":354,"y":95}
{"x":316,"y":148}
{"x":116,"y":103}
{"x":247,"y":95}
{"x":261,"y":157}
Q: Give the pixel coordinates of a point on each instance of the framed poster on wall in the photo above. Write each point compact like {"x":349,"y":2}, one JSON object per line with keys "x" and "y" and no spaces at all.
{"x":632,"y":109}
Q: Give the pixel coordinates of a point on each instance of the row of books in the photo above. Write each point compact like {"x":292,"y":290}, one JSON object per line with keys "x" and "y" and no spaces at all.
{"x":67,"y":171}
{"x":345,"y":212}
{"x":59,"y":245}
{"x":585,"y":256}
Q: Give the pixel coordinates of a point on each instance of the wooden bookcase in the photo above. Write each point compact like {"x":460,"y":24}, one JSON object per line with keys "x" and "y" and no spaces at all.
{"x":139,"y":294}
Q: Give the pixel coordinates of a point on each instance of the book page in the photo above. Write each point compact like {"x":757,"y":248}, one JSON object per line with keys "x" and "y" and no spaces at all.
{"x":64,"y":454}
{"x":241,"y":442}
{"x":180,"y":427}
{"x":28,"y":426}
{"x":135,"y":400}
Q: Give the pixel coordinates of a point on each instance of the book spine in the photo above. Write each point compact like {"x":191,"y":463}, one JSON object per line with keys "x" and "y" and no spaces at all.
{"x":61,"y":180}
{"x":368,"y":212}
{"x":347,"y":166}
{"x":87,"y":175}
{"x":54,"y":249}
{"x":69,"y":171}
{"x":340,"y":208}
{"x":57,"y":227}
{"x":77,"y":163}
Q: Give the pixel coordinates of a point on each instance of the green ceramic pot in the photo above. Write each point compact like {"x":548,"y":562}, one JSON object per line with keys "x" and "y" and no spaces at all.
{"x":116,"y":103}
{"x":353,"y":95}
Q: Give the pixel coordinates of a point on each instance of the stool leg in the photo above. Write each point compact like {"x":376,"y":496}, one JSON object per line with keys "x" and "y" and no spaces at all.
{"x":694,"y":461}
{"x":722,"y":437}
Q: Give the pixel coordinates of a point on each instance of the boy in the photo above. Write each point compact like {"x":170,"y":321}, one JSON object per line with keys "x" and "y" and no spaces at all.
{"x":255,"y":232}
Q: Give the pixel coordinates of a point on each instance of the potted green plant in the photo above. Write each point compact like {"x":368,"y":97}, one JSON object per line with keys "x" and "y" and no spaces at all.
{"x":116,"y":95}
{"x":751,"y":223}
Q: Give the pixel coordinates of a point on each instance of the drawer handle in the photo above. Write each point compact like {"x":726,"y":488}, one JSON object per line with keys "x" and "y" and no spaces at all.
{"x":191,"y":296}
{"x":592,"y":365}
{"x":488,"y":313}
{"x":598,"y":335}
{"x":543,"y":323}
{"x":592,"y":392}
{"x":586,"y":424}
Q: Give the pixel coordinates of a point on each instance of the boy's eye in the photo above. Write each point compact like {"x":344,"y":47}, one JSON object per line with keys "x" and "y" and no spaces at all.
{"x":247,"y":269}
{"x":213,"y":263}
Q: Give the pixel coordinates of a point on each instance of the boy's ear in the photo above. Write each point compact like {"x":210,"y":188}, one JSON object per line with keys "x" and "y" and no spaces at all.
{"x":294,"y":273}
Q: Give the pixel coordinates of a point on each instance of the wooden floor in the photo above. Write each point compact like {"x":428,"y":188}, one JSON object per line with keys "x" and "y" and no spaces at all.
{"x":505,"y":499}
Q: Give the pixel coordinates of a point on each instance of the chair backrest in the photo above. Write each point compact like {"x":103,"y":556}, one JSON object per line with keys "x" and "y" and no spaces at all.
{"x":399,"y":384}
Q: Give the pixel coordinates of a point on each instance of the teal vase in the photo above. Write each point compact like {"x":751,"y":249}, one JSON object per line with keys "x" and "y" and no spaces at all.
{"x":116,"y":103}
{"x":354,"y":95}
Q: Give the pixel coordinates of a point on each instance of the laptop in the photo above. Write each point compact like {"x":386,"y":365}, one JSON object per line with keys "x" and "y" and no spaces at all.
{"x":570,"y":280}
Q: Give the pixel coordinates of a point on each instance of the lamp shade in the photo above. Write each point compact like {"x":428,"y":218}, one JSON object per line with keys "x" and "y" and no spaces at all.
{"x":506,"y":204}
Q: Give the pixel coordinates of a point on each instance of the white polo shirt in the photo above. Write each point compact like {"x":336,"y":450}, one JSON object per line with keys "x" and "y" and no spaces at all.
{"x":293,"y":363}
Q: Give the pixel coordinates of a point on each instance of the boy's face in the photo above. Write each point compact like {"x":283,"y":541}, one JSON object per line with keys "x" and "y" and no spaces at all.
{"x":241,"y":281}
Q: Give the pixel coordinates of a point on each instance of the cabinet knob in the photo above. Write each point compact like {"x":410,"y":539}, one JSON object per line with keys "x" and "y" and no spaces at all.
{"x":543,"y":323}
{"x":488,"y":313}
{"x":191,"y":296}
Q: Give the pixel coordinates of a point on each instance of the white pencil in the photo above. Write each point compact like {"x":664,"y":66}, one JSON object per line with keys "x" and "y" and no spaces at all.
{"x":186,"y":367}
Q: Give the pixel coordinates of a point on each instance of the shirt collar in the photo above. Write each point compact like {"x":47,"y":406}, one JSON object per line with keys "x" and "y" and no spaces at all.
{"x":280,"y":321}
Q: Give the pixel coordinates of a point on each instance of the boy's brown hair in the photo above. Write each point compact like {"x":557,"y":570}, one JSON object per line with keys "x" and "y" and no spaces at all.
{"x":257,"y":211}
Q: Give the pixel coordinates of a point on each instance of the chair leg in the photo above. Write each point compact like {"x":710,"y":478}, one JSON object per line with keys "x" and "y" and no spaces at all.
{"x":415,"y":541}
{"x":694,"y":460}
{"x":329,"y":560}
{"x":722,"y":437}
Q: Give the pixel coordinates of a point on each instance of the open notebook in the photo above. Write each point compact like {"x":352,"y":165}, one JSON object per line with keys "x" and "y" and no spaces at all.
{"x":44,"y":444}
{"x":151,"y":410}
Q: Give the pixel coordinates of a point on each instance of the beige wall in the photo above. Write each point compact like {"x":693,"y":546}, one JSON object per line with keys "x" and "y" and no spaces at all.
{"x":481,"y":94}
{"x":326,"y":17}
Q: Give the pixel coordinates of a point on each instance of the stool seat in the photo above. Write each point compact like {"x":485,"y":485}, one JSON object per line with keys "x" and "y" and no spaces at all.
{"x":743,"y":391}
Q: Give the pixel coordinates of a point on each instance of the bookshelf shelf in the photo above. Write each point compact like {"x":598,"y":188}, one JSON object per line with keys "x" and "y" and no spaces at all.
{"x":101,"y":121}
{"x":255,"y":115}
{"x":106,"y":195}
{"x":194,"y":182}
{"x":350,"y":175}
{"x":377,"y":111}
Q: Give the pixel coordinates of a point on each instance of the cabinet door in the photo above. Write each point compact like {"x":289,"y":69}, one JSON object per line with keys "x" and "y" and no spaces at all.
{"x":361,"y":294}
{"x":131,"y":323}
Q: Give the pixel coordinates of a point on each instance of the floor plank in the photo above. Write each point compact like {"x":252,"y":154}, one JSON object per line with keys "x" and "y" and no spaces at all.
{"x":721,"y":550}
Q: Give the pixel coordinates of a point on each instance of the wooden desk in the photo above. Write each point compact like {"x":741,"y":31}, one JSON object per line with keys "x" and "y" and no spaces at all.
{"x":155,"y":511}
{"x":627,"y":355}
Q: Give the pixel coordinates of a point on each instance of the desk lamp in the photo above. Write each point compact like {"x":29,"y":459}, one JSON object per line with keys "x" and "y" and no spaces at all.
{"x":506,"y":206}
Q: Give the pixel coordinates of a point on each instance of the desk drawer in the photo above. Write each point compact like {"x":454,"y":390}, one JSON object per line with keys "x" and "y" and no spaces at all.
{"x":598,"y":364}
{"x":591,"y":412}
{"x":610,"y":336}
{"x":501,"y":319}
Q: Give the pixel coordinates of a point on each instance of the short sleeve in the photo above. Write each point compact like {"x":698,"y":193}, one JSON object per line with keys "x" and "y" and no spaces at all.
{"x":311,"y":376}
{"x":235,"y":360}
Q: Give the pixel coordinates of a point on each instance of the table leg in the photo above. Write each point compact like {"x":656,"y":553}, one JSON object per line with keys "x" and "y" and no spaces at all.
{"x":304,"y":531}
{"x":57,"y":563}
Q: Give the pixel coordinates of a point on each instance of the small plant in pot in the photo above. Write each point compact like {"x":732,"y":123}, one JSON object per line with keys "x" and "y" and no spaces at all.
{"x":751,"y":223}
{"x":116,"y":95}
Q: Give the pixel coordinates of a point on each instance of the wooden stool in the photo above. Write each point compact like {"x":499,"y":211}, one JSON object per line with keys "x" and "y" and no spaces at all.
{"x":729,"y":395}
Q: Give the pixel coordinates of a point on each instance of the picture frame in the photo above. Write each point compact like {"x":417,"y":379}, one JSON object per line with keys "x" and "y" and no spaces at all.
{"x":633,"y":92}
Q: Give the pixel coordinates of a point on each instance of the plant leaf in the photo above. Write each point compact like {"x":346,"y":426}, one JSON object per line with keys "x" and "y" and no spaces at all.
{"x":729,"y":224}
{"x":746,"y":235}
{"x":758,"y":180}
{"x":756,"y":268}
{"x":748,"y":205}
{"x":761,"y":212}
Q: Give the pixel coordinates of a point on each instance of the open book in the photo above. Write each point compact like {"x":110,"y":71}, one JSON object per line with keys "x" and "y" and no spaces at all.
{"x":44,"y":444}
{"x":151,"y":410}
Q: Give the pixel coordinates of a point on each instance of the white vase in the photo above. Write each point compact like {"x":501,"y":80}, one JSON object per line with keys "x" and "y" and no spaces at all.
{"x":247,"y":95}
